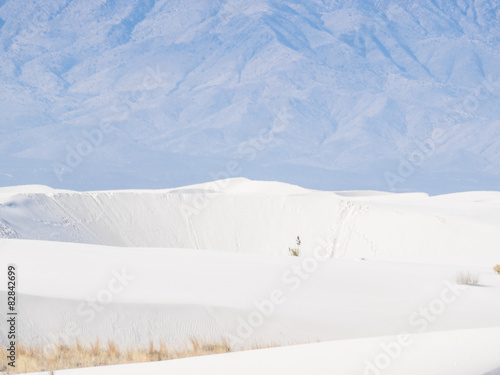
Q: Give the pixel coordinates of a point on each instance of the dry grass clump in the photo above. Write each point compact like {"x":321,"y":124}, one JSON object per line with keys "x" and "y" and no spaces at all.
{"x":467,"y":278}
{"x":497,"y":269}
{"x":36,"y":359}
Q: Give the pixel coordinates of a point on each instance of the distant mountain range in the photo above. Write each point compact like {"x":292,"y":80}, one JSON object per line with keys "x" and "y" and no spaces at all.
{"x":327,"y":94}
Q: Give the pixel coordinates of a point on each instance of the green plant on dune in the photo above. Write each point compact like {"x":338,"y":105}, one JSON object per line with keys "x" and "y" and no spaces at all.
{"x":295,"y":251}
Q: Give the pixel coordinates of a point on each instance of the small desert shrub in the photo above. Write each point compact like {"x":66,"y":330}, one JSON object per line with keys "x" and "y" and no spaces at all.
{"x":497,"y":269}
{"x":466,"y":278}
{"x":295,"y":251}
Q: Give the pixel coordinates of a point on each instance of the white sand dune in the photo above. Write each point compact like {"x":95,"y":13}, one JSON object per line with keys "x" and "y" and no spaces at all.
{"x":131,"y":266}
{"x":258,"y":217}
{"x":175,"y":294}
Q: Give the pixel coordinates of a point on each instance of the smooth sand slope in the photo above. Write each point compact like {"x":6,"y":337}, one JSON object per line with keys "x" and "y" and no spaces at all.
{"x":373,"y":265}
{"x":258,"y":217}
{"x":132,"y":295}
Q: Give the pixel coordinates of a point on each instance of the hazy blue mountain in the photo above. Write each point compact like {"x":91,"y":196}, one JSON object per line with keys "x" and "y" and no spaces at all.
{"x":326,"y":94}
